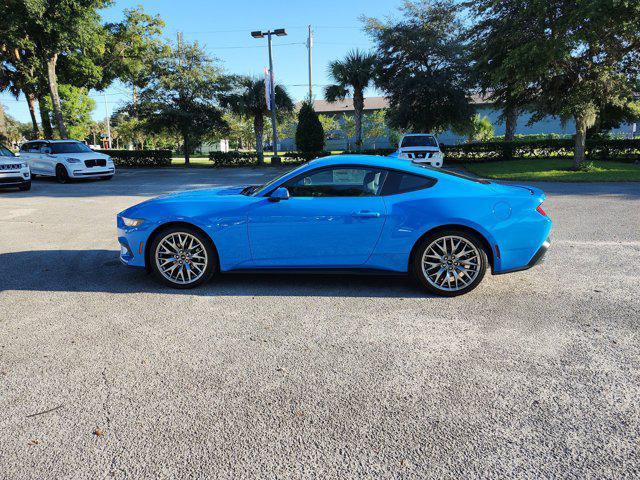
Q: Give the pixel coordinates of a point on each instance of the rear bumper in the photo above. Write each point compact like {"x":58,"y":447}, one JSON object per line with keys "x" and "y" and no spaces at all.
{"x":537,"y":258}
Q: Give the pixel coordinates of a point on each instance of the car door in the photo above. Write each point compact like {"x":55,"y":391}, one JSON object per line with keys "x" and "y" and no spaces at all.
{"x":333,"y":218}
{"x":46,"y":159}
{"x":26,"y":155}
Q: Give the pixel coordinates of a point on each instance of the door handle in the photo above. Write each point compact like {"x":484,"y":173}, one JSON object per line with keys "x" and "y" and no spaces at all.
{"x":366,"y":214}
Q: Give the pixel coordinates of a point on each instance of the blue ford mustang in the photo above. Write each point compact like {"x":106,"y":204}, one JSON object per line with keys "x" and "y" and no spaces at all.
{"x":343,"y":212}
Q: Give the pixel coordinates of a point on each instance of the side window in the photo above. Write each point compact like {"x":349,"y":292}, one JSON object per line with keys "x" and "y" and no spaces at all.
{"x":398,"y":182}
{"x":25,"y":147}
{"x":337,"y":182}
{"x":34,"y":147}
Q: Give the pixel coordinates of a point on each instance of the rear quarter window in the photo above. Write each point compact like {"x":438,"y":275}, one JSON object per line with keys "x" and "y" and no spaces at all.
{"x":398,"y":182}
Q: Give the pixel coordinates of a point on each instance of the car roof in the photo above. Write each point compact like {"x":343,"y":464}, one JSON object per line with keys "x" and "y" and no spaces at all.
{"x":374,"y":161}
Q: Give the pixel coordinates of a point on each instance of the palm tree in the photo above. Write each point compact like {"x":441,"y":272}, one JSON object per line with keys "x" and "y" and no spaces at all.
{"x":248,"y":100}
{"x":352,"y":75}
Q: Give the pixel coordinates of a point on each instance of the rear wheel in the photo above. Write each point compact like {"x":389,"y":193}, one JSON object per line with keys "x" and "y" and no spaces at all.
{"x":62,"y":176}
{"x":182,"y":257}
{"x":450,"y":263}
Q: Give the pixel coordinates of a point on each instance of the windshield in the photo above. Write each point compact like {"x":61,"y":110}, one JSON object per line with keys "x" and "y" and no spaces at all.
{"x":260,"y":189}
{"x":5,"y":152}
{"x":419,"y":141}
{"x":69,"y":147}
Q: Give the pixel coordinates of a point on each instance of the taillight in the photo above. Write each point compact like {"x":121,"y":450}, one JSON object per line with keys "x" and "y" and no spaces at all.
{"x":541,"y":211}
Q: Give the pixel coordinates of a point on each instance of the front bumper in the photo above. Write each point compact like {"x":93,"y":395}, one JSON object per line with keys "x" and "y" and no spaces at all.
{"x":15,"y":178}
{"x":133,"y":242}
{"x":81,"y":171}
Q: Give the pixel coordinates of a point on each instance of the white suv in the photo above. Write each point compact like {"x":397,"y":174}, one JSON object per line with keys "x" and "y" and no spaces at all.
{"x":65,"y":159}
{"x":421,"y":148}
{"x":13,"y":171}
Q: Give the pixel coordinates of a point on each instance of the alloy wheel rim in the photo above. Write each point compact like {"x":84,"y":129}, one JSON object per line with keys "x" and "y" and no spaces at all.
{"x":451,"y":263}
{"x":181,"y":258}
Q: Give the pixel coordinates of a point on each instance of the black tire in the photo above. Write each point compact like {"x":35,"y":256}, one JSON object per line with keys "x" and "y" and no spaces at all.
{"x":211,"y":256}
{"x":33,"y":175}
{"x":450,"y":265}
{"x":25,"y":187}
{"x":109,"y":177}
{"x":62,"y":176}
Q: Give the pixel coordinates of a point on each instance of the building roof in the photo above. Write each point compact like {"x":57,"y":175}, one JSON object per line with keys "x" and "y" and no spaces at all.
{"x":374,"y":103}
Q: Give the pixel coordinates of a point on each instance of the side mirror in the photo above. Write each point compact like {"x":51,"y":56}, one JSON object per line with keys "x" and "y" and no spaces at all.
{"x":279,"y":194}
{"x":46,"y":151}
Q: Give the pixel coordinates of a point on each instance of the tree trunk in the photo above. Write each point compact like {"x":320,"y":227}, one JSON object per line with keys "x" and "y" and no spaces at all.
{"x":135,"y":101}
{"x":47,"y":131}
{"x":31,"y":101}
{"x":580,"y":141}
{"x":55,"y":97}
{"x":185,"y":138}
{"x":258,"y":128}
{"x":358,"y":107}
{"x":511,"y":121}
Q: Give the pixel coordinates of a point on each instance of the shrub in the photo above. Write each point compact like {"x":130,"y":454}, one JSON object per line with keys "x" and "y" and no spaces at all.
{"x":596,"y":149}
{"x":373,"y":151}
{"x":301,"y":157}
{"x":309,"y":132}
{"x":234,"y":159}
{"x":139,"y":158}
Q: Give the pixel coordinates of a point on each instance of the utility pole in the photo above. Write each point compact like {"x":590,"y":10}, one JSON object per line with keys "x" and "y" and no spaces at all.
{"x":275,"y":160}
{"x":107,"y":119}
{"x":310,"y":47}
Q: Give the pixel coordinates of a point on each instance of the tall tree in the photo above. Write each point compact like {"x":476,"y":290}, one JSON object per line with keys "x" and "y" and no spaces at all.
{"x":496,"y":33}
{"x":55,"y":28}
{"x":76,"y":108}
{"x":422,"y":66}
{"x":577,"y":57}
{"x":352,"y":75}
{"x":181,"y":97}
{"x":247,"y":99}
{"x":135,"y":45}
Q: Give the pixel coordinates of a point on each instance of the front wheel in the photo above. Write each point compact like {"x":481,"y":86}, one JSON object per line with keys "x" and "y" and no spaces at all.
{"x":450,"y":263}
{"x":25,"y":187}
{"x":182,"y":257}
{"x":108,"y":177}
{"x":62,"y":176}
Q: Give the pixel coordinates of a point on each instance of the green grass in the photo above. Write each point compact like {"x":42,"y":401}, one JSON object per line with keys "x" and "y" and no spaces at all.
{"x":556,"y":170}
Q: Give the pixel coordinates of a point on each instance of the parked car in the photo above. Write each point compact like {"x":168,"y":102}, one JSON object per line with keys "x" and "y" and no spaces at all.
{"x":346,"y":212}
{"x":66,"y":159}
{"x":14,"y":172}
{"x":420,"y":148}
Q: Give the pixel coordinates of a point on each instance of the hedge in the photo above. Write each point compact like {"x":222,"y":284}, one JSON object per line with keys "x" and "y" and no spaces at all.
{"x":139,"y":158}
{"x":302,"y":157}
{"x":596,"y":149}
{"x":234,"y":159}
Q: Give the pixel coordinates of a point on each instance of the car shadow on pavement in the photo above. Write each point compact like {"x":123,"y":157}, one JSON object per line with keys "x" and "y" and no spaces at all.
{"x":101,"y":271}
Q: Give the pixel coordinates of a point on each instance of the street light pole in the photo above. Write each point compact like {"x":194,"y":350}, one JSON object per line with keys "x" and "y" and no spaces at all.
{"x":272,"y":99}
{"x":280,"y":32}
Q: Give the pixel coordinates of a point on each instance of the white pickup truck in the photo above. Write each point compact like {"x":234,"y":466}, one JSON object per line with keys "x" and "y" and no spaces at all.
{"x":421,"y":148}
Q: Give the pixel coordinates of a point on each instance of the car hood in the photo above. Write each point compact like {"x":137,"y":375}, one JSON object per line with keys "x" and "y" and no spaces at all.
{"x":420,"y":149}
{"x":82,"y":155}
{"x":10,"y":160}
{"x":200,"y":194}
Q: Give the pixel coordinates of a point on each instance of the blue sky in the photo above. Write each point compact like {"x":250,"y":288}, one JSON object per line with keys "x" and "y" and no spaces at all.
{"x":223,"y":28}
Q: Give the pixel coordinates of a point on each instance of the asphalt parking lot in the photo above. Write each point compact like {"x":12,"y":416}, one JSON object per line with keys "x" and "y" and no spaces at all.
{"x":104,"y":373}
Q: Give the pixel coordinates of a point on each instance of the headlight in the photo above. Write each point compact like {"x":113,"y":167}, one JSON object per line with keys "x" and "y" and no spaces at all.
{"x":132,"y":222}
{"x":73,"y":160}
{"x":24,"y":165}
{"x":109,"y":159}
